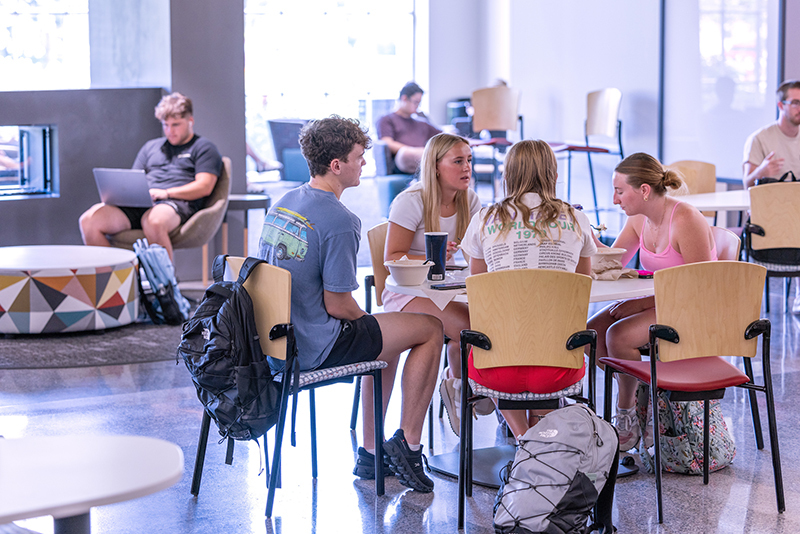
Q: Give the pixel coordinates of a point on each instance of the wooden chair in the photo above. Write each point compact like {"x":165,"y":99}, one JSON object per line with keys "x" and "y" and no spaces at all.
{"x":728,"y":244}
{"x":200,"y":228}
{"x":772,"y":237}
{"x":522,"y":317}
{"x":602,"y":121}
{"x":270,"y":289}
{"x":496,"y":109}
{"x":700,"y":319}
{"x":699,"y":177}
{"x":377,"y":243}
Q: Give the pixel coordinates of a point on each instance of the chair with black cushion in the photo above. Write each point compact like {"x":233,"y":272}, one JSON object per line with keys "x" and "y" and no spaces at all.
{"x":525,"y":317}
{"x":377,"y":243}
{"x":200,"y":228}
{"x":602,"y":123}
{"x":772,"y":237}
{"x":270,"y":289}
{"x":705,"y":312}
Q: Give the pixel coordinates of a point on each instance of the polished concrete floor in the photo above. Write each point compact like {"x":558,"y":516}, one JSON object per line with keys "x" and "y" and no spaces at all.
{"x":157,"y":399}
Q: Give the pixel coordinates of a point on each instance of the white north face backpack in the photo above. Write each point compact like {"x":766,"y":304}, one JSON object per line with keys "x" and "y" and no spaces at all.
{"x":565,"y":465}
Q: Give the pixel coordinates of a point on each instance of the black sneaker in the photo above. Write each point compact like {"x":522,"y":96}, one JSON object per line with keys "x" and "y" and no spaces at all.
{"x":365,"y":465}
{"x":407,"y":464}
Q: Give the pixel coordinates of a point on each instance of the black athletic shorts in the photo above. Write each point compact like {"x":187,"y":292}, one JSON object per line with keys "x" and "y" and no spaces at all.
{"x":359,"y":341}
{"x":184,"y":208}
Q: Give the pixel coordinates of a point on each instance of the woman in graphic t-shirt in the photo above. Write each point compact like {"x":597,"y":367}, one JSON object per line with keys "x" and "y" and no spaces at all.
{"x":562,"y":240}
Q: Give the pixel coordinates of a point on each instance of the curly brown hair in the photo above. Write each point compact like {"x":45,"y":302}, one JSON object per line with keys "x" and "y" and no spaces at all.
{"x":324,"y":140}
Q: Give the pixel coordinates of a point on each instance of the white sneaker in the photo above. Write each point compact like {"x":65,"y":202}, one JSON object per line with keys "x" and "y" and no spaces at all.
{"x":627,"y":427}
{"x":450,"y":390}
{"x":796,"y":303}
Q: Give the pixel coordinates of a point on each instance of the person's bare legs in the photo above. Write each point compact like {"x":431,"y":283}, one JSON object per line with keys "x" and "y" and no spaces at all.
{"x":158,"y":222}
{"x":408,"y":157}
{"x":423,"y":335}
{"x":100,"y":221}
{"x":622,"y":339}
{"x":455,"y":318}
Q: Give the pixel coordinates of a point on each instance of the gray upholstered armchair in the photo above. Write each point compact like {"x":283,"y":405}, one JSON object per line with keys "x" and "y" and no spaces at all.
{"x":200,"y":228}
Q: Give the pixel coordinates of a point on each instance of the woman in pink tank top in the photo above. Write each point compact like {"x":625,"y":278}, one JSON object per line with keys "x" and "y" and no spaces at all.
{"x":666,"y":232}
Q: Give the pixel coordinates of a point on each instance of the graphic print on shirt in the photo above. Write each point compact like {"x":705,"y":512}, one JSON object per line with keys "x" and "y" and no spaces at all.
{"x":284,"y":234}
{"x":531,"y":248}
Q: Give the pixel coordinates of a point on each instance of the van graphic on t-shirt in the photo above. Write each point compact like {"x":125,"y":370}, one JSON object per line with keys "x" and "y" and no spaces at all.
{"x":284,"y":232}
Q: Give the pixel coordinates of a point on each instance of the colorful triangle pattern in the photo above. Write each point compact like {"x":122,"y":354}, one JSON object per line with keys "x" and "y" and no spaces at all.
{"x":64,"y":300}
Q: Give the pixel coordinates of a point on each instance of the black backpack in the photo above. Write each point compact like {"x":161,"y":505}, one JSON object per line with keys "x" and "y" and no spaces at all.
{"x":220,"y":347}
{"x":162,"y":300}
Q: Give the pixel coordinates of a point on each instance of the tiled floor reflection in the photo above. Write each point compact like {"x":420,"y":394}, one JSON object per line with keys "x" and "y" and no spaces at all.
{"x":158,"y":400}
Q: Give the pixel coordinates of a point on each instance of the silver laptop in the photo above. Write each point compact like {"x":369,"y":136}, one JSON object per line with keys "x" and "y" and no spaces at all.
{"x":123,"y":187}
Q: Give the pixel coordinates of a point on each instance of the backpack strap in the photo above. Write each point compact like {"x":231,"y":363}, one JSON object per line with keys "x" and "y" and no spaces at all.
{"x":218,"y":268}
{"x":247,"y":267}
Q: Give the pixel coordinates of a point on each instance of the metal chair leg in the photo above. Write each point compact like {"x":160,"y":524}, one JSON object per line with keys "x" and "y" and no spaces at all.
{"x":430,"y":426}
{"x":748,"y":370}
{"x":276,"y":455}
{"x":356,"y":400}
{"x":706,"y":440}
{"x":594,"y":188}
{"x":377,"y":398}
{"x":657,"y":441}
{"x":313,"y":410}
{"x":200,"y":458}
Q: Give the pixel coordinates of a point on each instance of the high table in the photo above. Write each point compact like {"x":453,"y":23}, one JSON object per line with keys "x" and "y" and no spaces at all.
{"x":738,"y":200}
{"x":488,"y":462}
{"x":65,"y":476}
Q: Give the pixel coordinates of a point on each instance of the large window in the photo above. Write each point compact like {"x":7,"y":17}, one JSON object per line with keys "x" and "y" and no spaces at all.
{"x":44,"y":44}
{"x":310,"y":59}
{"x":721,"y":73}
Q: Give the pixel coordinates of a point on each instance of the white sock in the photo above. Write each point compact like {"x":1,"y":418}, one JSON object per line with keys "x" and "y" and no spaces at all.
{"x":416,"y":447}
{"x":371,"y":451}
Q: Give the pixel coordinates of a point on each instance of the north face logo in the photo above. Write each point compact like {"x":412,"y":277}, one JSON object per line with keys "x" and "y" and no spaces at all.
{"x":206,"y":334}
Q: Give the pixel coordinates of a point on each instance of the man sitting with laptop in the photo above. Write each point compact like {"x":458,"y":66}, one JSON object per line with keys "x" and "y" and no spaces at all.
{"x":182,"y":169}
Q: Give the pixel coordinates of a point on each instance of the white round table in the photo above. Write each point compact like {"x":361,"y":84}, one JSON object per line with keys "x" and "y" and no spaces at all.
{"x":602,"y":290}
{"x":65,"y":476}
{"x":66,"y":288}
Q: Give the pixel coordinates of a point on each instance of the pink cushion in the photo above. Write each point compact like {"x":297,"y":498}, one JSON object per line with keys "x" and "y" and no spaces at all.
{"x":697,"y":374}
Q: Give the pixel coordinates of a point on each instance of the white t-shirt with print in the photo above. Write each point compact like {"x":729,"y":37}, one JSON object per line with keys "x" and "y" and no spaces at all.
{"x":406,"y":211}
{"x":521,"y":248}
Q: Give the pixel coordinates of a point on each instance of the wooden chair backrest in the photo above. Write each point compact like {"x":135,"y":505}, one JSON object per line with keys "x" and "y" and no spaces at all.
{"x":774,"y":207}
{"x":377,"y":244}
{"x":699,"y":177}
{"x":496,"y":108}
{"x":728,"y":243}
{"x":528,"y":314}
{"x":710,"y":304}
{"x":602,"y":112}
{"x":270,"y":289}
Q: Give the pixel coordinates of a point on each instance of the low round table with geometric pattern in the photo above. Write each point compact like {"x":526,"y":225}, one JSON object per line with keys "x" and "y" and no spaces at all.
{"x":66,"y":288}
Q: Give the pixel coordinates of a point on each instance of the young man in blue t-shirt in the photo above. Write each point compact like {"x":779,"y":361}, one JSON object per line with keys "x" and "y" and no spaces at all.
{"x":310,"y":233}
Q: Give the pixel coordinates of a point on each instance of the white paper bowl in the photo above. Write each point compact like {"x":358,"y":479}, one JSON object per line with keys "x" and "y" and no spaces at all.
{"x":609,"y":255}
{"x":408,"y":272}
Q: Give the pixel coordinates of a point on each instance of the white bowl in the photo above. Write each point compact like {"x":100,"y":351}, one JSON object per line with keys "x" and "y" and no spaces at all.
{"x":608,"y":255}
{"x":408,"y":272}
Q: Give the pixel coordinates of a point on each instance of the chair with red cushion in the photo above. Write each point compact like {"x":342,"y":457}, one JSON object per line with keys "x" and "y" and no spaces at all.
{"x":705,"y":312}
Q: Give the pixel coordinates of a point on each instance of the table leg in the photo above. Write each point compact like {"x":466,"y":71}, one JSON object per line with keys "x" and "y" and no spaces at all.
{"x":76,"y":524}
{"x":245,"y":235}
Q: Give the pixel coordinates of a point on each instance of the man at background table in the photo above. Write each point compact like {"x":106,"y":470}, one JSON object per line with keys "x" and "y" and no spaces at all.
{"x":405,"y":135}
{"x":310,"y":233}
{"x":182,"y":169}
{"x":775,"y":149}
